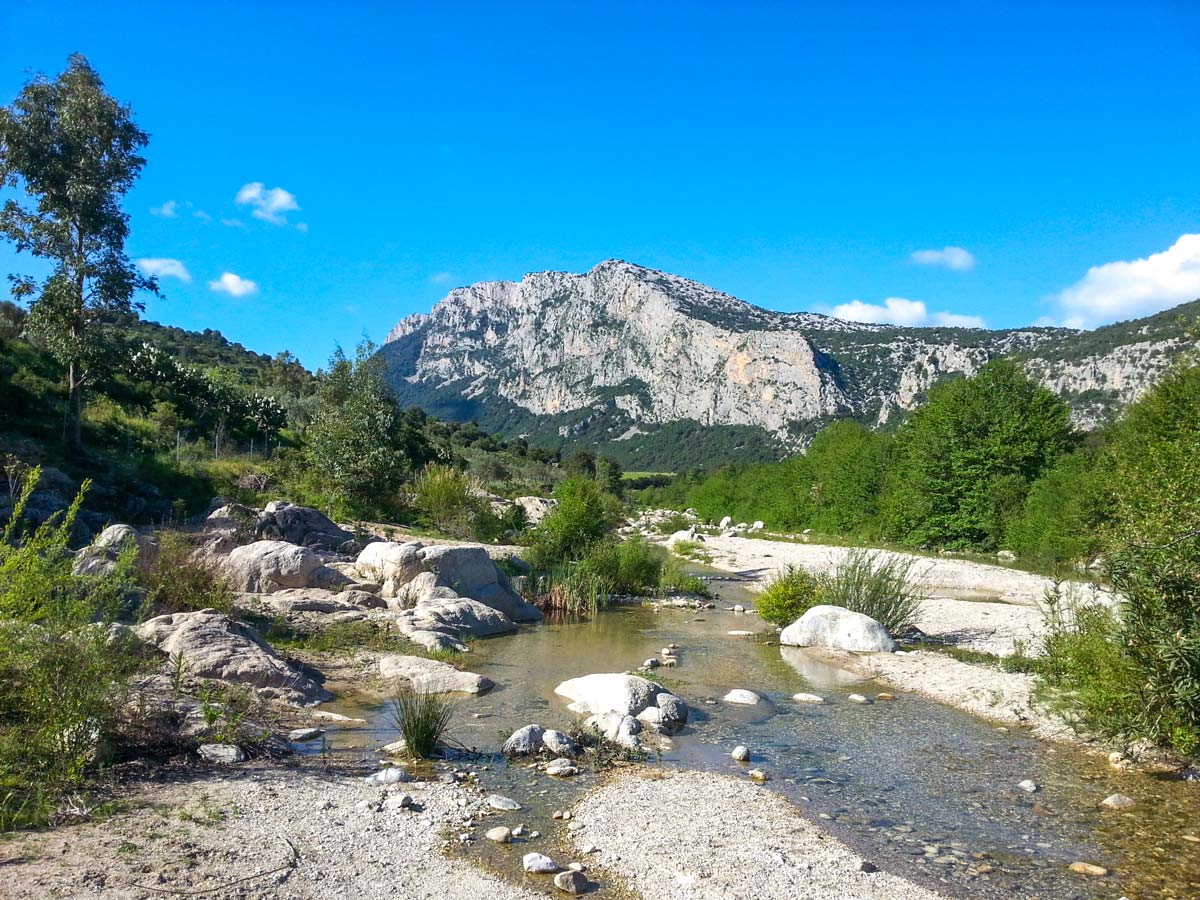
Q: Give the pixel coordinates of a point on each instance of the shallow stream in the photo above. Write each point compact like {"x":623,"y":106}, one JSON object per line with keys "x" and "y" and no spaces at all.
{"x":920,"y":789}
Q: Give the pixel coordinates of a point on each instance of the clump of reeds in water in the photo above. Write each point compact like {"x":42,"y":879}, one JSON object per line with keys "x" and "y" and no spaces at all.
{"x":569,"y":592}
{"x":422,"y":719}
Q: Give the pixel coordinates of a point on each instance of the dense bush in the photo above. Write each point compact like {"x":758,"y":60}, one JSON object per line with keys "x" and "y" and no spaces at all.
{"x":788,"y":595}
{"x":583,"y":516}
{"x":1063,"y":517}
{"x":624,"y":567}
{"x":1136,"y":673}
{"x":879,"y":585}
{"x":176,"y":582}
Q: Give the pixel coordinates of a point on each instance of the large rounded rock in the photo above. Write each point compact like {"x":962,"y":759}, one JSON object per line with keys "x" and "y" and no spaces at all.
{"x":283,"y":521}
{"x":626,"y":695}
{"x":428,"y":676}
{"x":837,"y":629}
{"x":524,"y":741}
{"x":536,"y":508}
{"x":100,"y":557}
{"x":212,"y":645}
{"x":268,"y":566}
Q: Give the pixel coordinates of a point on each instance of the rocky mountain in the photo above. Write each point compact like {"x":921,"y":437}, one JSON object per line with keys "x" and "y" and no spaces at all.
{"x":665,"y":373}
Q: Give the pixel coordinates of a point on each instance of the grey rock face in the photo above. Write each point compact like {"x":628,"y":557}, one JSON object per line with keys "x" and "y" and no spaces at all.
{"x":428,"y":676}
{"x":267,"y":566}
{"x":214,"y":646}
{"x":647,"y":348}
{"x":624,"y":697}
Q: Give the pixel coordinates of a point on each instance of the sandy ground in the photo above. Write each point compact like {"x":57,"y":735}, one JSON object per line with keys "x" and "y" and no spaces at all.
{"x":220,"y":827}
{"x":694,"y":835}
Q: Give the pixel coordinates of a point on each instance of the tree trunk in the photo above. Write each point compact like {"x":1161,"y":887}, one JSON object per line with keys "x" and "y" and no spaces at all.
{"x":74,"y":433}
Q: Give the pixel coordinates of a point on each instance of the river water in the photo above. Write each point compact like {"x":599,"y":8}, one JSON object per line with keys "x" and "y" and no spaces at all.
{"x":922,"y":790}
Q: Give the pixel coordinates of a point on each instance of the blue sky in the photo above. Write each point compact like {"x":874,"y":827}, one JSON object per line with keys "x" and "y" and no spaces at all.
{"x":795,"y":155}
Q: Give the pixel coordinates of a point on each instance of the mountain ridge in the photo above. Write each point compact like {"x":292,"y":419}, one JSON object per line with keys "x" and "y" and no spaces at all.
{"x":612,"y":357}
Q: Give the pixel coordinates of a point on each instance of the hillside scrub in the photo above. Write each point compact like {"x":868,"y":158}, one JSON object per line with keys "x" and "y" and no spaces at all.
{"x":63,"y":676}
{"x":1137,"y":673}
{"x":583,"y":516}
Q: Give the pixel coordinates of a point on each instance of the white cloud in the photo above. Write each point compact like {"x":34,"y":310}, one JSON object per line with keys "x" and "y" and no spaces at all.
{"x":168,"y":210}
{"x":233,"y":285}
{"x":164,"y":268}
{"x":202,"y":215}
{"x":899,"y":311}
{"x":441,"y":278}
{"x":233,"y":223}
{"x":302,"y":227}
{"x":955,"y":258}
{"x":270,"y":204}
{"x":1125,"y":290}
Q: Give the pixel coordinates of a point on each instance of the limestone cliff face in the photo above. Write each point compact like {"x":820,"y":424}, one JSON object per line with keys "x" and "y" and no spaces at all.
{"x":616,"y":351}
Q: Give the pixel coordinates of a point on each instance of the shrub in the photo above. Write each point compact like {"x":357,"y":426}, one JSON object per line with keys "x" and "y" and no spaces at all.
{"x":879,"y":585}
{"x":421,"y":719}
{"x":176,"y":582}
{"x":788,"y":595}
{"x":674,"y":580}
{"x":583,"y":516}
{"x":628,"y":567}
{"x":444,"y":496}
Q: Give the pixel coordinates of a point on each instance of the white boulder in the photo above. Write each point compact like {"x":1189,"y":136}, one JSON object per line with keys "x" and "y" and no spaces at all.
{"x":625,"y":695}
{"x":264,"y":567}
{"x":837,"y":629}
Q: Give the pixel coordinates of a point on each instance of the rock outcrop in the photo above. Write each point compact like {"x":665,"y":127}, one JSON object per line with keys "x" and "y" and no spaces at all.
{"x":211,"y":645}
{"x":612,"y":356}
{"x":429,"y":676}
{"x":621,"y":704}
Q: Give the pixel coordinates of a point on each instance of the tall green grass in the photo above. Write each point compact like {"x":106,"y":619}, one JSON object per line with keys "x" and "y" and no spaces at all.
{"x":421,"y":719}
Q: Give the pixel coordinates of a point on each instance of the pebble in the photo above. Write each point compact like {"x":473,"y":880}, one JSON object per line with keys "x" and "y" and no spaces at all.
{"x":499,"y":834}
{"x":651,"y":663}
{"x":538,"y":863}
{"x":738,"y":608}
{"x":398,"y":801}
{"x":867,"y":866}
{"x":740,"y":753}
{"x":590,"y":848}
{"x":858,"y":698}
{"x":303,"y":735}
{"x":1083,"y":868}
{"x":499,"y":801}
{"x":808,"y":698}
{"x":518,"y":831}
{"x":1192,"y":838}
{"x":757,"y":775}
{"x":1118,"y":801}
{"x":1029,"y":787}
{"x":570,"y":882}
{"x":737,"y":633}
{"x":390,"y":775}
{"x":885,"y":696}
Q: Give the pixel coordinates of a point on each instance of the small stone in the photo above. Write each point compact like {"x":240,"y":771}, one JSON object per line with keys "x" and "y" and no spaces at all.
{"x":808,"y":698}
{"x":557,"y":814}
{"x":740,"y":753}
{"x":1083,"y":868}
{"x":398,"y":801}
{"x":985,"y":869}
{"x":651,"y":663}
{"x":885,"y":696}
{"x":757,"y":775}
{"x":499,"y":834}
{"x":590,"y":848}
{"x":223,"y":754}
{"x":739,"y":633}
{"x":561,"y":768}
{"x":390,"y":775}
{"x":575,"y":866}
{"x":570,"y":882}
{"x":304,"y":735}
{"x":670,"y":662}
{"x":742,"y":697}
{"x":738,"y":608}
{"x":499,"y":801}
{"x":533,"y":835}
{"x":666,"y":651}
{"x":867,"y":866}
{"x":1192,"y":838}
{"x":1029,"y":787}
{"x":538,"y":863}
{"x":858,"y":698}
{"x":1118,"y":801}
{"x":672,"y":646}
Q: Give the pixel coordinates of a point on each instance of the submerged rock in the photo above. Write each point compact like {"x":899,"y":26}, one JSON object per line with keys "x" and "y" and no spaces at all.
{"x":500,"y":802}
{"x":742,"y":697}
{"x":836,"y":628}
{"x":429,"y":676}
{"x":571,"y":882}
{"x":538,"y":863}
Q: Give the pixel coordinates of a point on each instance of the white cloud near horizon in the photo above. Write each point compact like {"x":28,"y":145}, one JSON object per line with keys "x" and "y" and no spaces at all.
{"x":233,"y":285}
{"x":269,"y":204}
{"x":956,"y":258}
{"x":164,"y":268}
{"x":1122,"y":290}
{"x":899,"y":311}
{"x":167,"y":210}
{"x":441,"y":278}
